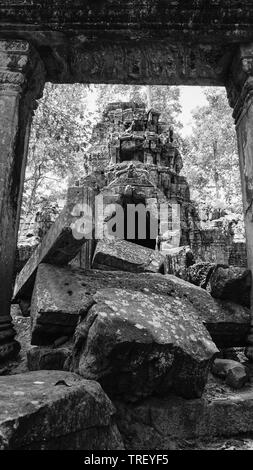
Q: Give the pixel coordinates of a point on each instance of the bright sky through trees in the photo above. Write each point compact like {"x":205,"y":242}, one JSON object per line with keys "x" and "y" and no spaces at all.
{"x":190,"y":97}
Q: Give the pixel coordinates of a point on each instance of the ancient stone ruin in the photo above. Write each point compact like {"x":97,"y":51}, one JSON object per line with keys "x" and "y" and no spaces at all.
{"x":131,"y":342}
{"x":141,"y":319}
{"x":129,"y":131}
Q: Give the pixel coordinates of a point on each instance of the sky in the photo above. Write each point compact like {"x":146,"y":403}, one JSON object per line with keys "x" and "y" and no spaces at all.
{"x":191,"y":98}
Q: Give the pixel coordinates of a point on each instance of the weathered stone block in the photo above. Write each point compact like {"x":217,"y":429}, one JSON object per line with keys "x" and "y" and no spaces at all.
{"x":227,"y":322}
{"x":55,"y":410}
{"x":178,"y":260}
{"x":214,"y":243}
{"x":62,"y":295}
{"x":121,"y":255}
{"x":221,"y":367}
{"x":158,"y":423}
{"x":233,"y":372}
{"x":138,"y":344}
{"x":60,"y":245}
{"x":237,"y":377}
{"x":59,"y":297}
{"x":231,"y":283}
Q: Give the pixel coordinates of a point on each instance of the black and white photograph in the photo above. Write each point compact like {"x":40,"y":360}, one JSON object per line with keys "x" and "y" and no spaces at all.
{"x":126,"y":229}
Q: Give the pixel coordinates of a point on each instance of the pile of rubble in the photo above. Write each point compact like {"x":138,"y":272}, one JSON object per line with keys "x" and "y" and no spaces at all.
{"x":126,"y":331}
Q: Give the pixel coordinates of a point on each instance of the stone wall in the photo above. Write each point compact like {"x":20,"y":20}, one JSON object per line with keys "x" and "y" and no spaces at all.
{"x":217,"y":244}
{"x":238,"y":254}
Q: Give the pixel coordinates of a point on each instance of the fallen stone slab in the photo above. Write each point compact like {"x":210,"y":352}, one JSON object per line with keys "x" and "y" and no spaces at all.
{"x":237,"y":377}
{"x":138,"y":344}
{"x":233,"y":372}
{"x":61,"y":243}
{"x":55,"y":410}
{"x":231,"y":283}
{"x":63,"y":295}
{"x":221,"y":367}
{"x":199,"y":274}
{"x":161,"y":423}
{"x":122,"y":255}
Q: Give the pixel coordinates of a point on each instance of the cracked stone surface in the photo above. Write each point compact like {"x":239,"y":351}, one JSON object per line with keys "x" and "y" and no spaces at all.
{"x":126,"y":256}
{"x":55,"y":409}
{"x":136,"y":345}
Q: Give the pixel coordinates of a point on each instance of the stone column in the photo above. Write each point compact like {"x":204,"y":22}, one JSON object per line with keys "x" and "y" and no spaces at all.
{"x":21,"y":82}
{"x":240,"y":95}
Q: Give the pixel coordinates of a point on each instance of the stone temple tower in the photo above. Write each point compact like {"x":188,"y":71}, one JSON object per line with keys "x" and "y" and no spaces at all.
{"x":134,"y":159}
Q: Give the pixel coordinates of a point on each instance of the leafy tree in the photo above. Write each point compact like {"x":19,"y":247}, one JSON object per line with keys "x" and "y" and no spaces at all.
{"x":211,"y":157}
{"x":60,"y":133}
{"x":166,"y":100}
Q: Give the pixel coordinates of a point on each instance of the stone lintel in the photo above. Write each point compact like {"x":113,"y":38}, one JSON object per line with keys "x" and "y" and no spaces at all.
{"x":130,"y":60}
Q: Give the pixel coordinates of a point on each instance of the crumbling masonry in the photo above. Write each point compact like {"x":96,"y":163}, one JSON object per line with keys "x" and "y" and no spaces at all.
{"x":123,"y":330}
